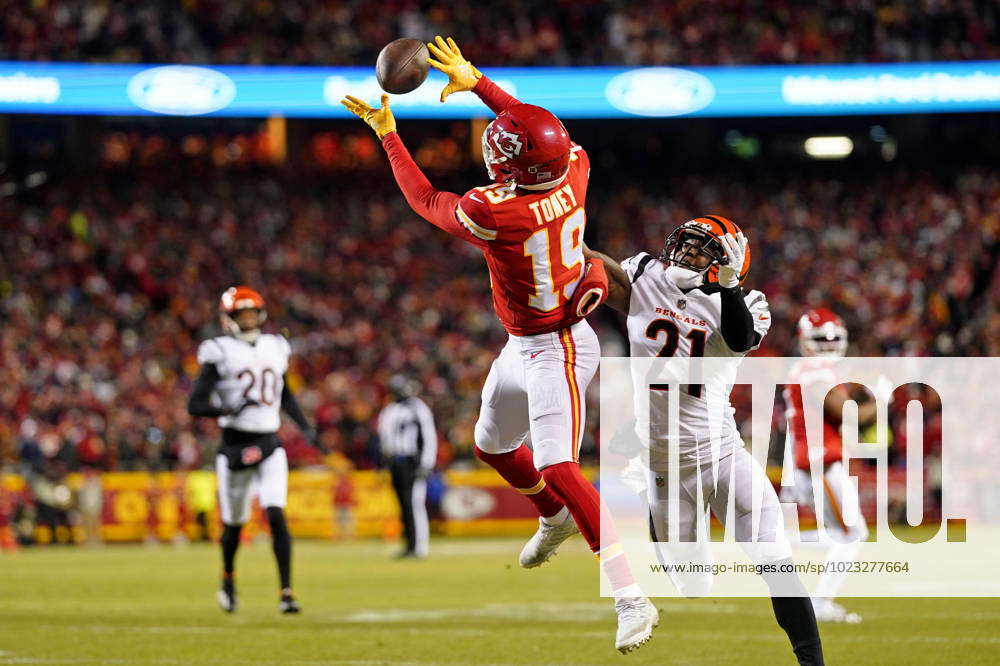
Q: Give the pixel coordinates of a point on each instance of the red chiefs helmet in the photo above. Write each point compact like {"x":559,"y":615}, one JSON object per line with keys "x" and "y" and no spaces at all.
{"x":239,"y":298}
{"x":526,"y":145}
{"x":822,"y":333}
{"x":701,"y":235}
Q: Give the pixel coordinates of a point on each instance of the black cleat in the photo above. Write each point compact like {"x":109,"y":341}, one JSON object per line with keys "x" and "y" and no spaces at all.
{"x":288,"y":605}
{"x":227,"y":596}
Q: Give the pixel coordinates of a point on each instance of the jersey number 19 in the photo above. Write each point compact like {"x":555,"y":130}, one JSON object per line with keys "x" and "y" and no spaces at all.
{"x":569,"y":252}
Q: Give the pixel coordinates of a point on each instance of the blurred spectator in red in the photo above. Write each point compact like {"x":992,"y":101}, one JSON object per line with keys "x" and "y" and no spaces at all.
{"x":513,"y":32}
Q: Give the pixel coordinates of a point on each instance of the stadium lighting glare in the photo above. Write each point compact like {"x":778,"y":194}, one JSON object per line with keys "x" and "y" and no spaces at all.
{"x":828,"y":147}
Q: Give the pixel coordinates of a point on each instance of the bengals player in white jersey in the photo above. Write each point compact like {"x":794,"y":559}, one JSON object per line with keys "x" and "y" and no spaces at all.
{"x":688,"y":302}
{"x":822,"y":341}
{"x":242,"y":384}
{"x":529,"y":224}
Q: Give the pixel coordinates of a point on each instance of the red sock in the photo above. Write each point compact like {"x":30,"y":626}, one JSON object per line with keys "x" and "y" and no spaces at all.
{"x":580,"y":496}
{"x":517,"y":468}
{"x":594,"y":521}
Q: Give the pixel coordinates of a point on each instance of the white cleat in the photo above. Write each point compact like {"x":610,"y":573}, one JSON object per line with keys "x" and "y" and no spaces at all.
{"x":828,"y":611}
{"x":637,"y":617}
{"x":551,"y":533}
{"x":226,"y":597}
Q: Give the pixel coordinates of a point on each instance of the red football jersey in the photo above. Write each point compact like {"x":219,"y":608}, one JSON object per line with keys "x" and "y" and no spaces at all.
{"x":805,"y":373}
{"x":533,"y":244}
{"x":532,"y":239}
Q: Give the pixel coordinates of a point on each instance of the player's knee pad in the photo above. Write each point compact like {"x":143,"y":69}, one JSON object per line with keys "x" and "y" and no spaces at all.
{"x":548,"y":453}
{"x":770,"y":544}
{"x":551,"y":446}
{"x":487,"y":437}
{"x":781,"y":578}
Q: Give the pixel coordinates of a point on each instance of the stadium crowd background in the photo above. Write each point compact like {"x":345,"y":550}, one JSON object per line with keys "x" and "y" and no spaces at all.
{"x":112,"y":277}
{"x":110,"y":269}
{"x":510,"y":32}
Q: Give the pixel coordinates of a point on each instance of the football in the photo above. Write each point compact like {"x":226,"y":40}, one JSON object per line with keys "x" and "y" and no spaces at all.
{"x":402,"y":65}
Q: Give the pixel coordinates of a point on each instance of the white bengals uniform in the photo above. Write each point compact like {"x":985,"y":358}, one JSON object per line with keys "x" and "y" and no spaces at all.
{"x":665,"y":321}
{"x":249,"y":372}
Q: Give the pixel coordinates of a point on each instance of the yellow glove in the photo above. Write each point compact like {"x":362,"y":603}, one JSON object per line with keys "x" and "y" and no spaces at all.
{"x":461,"y":74}
{"x":380,"y":120}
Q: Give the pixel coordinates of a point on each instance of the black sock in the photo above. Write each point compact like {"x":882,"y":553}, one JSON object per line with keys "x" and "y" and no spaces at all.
{"x":281,"y":541}
{"x":230,"y":542}
{"x":797,"y":618}
{"x":202,"y":521}
{"x":795,"y":614}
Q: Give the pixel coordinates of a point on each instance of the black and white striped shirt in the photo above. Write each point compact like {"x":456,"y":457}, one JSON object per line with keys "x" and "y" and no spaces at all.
{"x":406,"y":428}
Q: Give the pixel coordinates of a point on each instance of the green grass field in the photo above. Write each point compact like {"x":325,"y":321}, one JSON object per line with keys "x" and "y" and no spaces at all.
{"x":468,"y":604}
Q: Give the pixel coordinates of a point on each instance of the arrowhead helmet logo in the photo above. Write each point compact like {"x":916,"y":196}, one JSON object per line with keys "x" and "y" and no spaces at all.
{"x":508,"y":143}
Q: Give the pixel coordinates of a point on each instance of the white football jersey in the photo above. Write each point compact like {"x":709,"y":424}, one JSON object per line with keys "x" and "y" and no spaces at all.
{"x":667,"y":322}
{"x":248,"y":372}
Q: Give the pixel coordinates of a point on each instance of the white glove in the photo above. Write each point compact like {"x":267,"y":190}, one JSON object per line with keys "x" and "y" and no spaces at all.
{"x":736,"y":250}
{"x":760,"y":310}
{"x":635,"y":476}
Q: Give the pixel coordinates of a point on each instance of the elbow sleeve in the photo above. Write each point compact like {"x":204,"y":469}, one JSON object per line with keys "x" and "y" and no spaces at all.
{"x":737,"y":322}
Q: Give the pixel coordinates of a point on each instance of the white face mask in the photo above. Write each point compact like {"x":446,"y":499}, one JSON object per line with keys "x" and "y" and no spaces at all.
{"x":248,"y":336}
{"x":685,"y":278}
{"x":232,"y":328}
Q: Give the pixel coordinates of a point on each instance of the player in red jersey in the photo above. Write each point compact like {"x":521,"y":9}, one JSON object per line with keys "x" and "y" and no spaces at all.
{"x":529,"y":224}
{"x":823,"y":340}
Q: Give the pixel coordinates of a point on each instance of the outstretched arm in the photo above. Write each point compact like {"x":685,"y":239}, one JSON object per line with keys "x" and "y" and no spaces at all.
{"x":619,"y":288}
{"x":462,"y":75}
{"x":435,"y":206}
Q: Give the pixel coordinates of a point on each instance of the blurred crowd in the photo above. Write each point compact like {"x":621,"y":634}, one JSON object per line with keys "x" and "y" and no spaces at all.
{"x":506,"y":32}
{"x":110,"y":277}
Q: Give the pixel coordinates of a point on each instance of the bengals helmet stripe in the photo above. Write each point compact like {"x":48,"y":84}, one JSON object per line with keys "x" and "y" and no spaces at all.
{"x":714,"y":226}
{"x":240,"y":297}
{"x":721,"y":221}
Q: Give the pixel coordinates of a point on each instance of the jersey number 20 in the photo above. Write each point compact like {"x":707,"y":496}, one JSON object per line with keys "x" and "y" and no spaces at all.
{"x":268,"y":381}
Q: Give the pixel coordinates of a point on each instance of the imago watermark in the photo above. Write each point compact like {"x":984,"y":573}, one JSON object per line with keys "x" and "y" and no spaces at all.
{"x":840,"y":476}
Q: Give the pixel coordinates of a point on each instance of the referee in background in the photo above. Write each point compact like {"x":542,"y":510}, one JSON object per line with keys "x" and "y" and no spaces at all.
{"x":409,"y":449}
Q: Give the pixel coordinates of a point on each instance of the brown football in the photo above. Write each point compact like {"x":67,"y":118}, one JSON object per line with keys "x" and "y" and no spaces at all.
{"x":402,"y":65}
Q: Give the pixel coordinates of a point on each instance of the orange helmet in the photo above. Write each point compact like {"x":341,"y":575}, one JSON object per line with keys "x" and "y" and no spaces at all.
{"x":239,"y":298}
{"x":703,"y":234}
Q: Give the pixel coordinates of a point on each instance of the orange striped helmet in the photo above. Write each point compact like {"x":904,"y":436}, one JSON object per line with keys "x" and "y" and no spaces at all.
{"x":239,"y":298}
{"x":702,"y":235}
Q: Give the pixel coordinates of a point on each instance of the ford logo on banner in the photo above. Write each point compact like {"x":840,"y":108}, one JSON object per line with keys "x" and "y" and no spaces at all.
{"x":180,"y":90}
{"x":659,"y":91}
